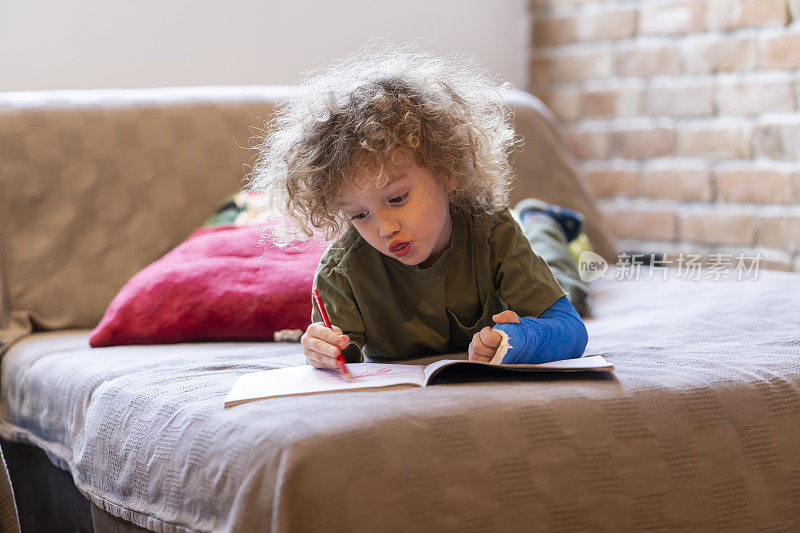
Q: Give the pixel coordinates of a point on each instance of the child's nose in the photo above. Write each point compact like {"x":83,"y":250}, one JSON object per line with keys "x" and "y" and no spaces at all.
{"x":387,"y":224}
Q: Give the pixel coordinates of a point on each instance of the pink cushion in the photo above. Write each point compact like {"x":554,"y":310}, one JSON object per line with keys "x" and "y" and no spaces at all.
{"x":219,"y":284}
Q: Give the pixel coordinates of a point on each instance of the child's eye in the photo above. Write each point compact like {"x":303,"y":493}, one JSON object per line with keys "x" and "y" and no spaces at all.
{"x":398,"y":199}
{"x":359,"y":216}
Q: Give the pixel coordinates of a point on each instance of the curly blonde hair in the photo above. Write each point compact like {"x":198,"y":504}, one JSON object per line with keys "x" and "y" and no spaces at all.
{"x":375,"y":109}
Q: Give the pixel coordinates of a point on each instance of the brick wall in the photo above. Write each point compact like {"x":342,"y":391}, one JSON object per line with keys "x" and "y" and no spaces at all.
{"x":685,"y":117}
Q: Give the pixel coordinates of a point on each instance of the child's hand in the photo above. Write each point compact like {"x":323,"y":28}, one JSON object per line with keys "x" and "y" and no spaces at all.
{"x":485,"y":342}
{"x":322,"y":345}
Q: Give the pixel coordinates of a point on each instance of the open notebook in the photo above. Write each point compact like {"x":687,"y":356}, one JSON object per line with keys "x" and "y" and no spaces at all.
{"x":305,"y":379}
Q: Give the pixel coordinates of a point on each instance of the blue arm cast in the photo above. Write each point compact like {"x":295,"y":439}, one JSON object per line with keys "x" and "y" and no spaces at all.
{"x":558,"y":333}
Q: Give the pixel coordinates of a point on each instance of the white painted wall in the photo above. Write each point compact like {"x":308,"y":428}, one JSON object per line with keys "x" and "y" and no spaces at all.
{"x":87,"y":44}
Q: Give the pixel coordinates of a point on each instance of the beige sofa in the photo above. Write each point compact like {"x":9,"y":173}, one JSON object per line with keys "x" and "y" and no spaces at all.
{"x":698,"y":428}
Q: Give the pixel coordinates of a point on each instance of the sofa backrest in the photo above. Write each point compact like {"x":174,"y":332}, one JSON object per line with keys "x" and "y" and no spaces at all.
{"x":95,"y":185}
{"x":546,"y":169}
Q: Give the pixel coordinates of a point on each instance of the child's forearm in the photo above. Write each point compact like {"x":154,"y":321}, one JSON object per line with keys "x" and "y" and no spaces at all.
{"x":558,"y":333}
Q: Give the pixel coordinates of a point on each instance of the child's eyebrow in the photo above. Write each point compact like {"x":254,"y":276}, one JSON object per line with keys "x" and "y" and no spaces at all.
{"x":393,"y":178}
{"x":344,"y":206}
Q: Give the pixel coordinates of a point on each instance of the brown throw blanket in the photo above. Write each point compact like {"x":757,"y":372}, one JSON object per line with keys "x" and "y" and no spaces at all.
{"x":699,"y":429}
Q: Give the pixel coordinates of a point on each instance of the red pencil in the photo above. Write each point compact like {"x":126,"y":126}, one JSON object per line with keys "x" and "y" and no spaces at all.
{"x":325,"y":320}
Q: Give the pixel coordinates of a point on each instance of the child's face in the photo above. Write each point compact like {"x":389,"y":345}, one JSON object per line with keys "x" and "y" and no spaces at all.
{"x":407,"y":219}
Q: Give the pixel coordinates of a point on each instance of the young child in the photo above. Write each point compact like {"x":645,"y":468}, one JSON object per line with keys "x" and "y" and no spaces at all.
{"x":404,"y":158}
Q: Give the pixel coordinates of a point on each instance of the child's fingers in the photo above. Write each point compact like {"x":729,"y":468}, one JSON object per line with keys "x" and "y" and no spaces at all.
{"x":479,"y":348}
{"x":480,"y":358}
{"x":324,"y":348}
{"x":320,"y":360}
{"x":490,"y":337}
{"x":331,"y":336}
{"x":482,"y":352}
{"x":343,"y":340}
{"x":318,"y":351}
{"x":506,"y":317}
{"x":478,"y":351}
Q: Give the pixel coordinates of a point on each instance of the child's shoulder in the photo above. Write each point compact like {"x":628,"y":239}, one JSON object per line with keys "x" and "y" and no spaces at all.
{"x":340,"y":255}
{"x":499,"y":229}
{"x":491,"y":222}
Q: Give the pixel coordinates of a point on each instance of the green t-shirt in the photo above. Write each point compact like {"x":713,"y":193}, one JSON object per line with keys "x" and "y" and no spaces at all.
{"x":394,"y":311}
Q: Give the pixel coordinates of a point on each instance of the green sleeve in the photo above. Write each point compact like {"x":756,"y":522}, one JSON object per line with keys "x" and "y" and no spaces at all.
{"x":523,"y":280}
{"x":340,"y":304}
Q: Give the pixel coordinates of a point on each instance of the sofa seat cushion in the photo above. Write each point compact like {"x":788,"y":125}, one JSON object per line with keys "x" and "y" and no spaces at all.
{"x":698,"y":428}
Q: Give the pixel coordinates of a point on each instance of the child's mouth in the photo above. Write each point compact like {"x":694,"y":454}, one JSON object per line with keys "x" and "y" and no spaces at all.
{"x":400,"y":249}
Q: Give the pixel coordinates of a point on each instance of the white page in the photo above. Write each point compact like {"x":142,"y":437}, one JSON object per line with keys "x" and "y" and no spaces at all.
{"x":305,"y":379}
{"x":589,"y":363}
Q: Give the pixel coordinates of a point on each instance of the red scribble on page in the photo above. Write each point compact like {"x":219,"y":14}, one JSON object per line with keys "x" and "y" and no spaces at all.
{"x":381,"y":372}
